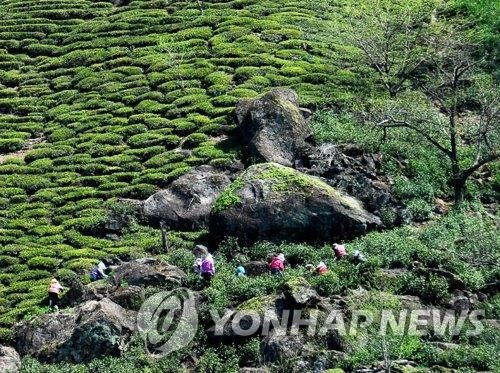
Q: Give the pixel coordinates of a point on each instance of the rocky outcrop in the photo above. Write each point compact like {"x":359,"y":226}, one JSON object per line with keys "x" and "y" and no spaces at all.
{"x":254,"y":370}
{"x":148,"y":272}
{"x":269,"y":306}
{"x":299,"y":353}
{"x":93,"y":329}
{"x":187,"y":202}
{"x":273,"y":126}
{"x":358,"y":174}
{"x":10,"y":362}
{"x":256,"y":268}
{"x":300,"y":292}
{"x":276,"y":347}
{"x":130,"y":297}
{"x":272,"y":202}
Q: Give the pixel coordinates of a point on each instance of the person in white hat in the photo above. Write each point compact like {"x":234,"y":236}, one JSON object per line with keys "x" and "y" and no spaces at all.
{"x":321,"y":268}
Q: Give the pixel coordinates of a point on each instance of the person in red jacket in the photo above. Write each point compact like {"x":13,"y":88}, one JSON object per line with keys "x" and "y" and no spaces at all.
{"x":321,"y":269}
{"x":276,"y":265}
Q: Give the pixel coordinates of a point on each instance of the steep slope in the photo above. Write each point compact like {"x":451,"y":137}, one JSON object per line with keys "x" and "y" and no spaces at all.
{"x":117,"y":101}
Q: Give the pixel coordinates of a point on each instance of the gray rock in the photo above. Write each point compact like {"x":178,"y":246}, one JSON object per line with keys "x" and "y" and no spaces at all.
{"x":481,"y":297}
{"x":272,"y":202}
{"x":130,"y":297}
{"x":277,"y":348}
{"x":300,"y":292}
{"x":254,"y":370}
{"x":77,"y":292}
{"x":359,"y":174}
{"x":187,"y":202}
{"x":273,"y":126}
{"x":270,"y":306}
{"x":148,"y":272}
{"x":93,"y":329}
{"x":459,"y":303}
{"x":10,"y":362}
{"x":200,"y":251}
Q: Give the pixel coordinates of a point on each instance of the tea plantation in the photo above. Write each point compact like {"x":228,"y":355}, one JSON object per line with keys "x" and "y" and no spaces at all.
{"x":124,"y":99}
{"x":101,"y":100}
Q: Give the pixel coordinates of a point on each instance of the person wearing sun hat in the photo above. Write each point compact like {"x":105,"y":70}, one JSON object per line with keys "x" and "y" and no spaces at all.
{"x":54,"y":289}
{"x":321,"y":268}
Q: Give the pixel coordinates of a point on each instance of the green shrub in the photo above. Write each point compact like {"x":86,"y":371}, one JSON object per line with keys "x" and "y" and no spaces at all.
{"x":194,"y":139}
{"x":43,"y":263}
{"x":327,"y":284}
{"x":145,"y":139}
{"x":223,"y":360}
{"x":10,"y":145}
{"x":429,"y":287}
{"x":419,"y":209}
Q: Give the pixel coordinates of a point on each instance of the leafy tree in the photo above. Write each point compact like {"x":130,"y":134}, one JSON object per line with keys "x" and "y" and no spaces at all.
{"x":454,"y":108}
{"x":393,"y":36}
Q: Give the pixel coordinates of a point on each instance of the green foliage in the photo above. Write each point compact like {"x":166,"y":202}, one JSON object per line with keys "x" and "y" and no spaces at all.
{"x":126,"y":99}
{"x":228,"y":197}
{"x":429,"y":287}
{"x":342,"y":128}
{"x":218,"y":361}
{"x":419,"y":209}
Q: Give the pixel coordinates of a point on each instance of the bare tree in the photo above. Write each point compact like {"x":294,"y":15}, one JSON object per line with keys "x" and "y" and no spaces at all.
{"x":392,"y":36}
{"x":455,"y":109}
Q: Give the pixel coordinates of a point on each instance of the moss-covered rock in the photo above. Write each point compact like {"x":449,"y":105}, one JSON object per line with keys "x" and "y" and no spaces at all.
{"x":272,"y":202}
{"x":300,"y":292}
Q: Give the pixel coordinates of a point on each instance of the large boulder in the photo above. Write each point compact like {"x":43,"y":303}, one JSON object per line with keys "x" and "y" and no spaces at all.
{"x":10,"y":362}
{"x":262,"y":307}
{"x":93,"y":329}
{"x":256,"y":268}
{"x":187,"y":202}
{"x":273,"y":126}
{"x":359,"y":174}
{"x":272,"y":202}
{"x":300,"y":292}
{"x":148,"y":272}
{"x":276,"y":347}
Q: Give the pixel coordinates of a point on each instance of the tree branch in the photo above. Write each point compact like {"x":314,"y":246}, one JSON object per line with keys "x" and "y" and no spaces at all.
{"x":393,"y":123}
{"x":477,"y":165}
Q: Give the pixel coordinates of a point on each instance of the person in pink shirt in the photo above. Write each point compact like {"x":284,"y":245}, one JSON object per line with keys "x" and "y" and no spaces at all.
{"x":54,"y":289}
{"x":276,"y":265}
{"x":339,"y":251}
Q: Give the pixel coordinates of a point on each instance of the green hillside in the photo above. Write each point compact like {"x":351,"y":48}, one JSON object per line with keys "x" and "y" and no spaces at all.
{"x":111,"y":93}
{"x":101,"y":100}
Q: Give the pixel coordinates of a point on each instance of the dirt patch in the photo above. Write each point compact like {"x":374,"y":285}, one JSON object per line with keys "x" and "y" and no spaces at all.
{"x":30,"y":143}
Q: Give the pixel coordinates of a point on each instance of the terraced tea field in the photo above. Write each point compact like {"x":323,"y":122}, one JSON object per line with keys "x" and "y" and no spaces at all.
{"x":116,"y":101}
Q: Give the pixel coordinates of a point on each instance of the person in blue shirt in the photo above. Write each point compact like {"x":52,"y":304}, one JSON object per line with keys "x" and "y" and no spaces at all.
{"x":240,"y":271}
